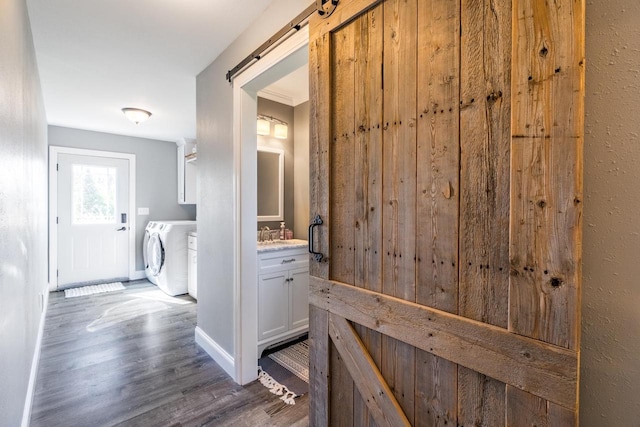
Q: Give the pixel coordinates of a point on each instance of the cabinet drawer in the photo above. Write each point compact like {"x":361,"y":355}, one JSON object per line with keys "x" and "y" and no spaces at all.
{"x":192,"y":243}
{"x":285,"y":259}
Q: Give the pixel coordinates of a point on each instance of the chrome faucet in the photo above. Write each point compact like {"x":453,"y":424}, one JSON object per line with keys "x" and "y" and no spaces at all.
{"x":265,"y":234}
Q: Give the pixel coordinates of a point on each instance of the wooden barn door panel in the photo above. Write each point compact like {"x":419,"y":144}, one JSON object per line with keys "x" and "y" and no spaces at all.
{"x":399,"y":62}
{"x":437,"y":197}
{"x":368,"y":179}
{"x":446,"y":167}
{"x":485,"y":140}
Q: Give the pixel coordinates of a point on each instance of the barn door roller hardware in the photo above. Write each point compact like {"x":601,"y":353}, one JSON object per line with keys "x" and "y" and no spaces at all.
{"x":326,"y":7}
{"x":316,"y":221}
{"x":291,"y":28}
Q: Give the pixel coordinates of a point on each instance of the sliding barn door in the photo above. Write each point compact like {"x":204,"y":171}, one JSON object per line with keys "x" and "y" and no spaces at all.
{"x":447,"y":171}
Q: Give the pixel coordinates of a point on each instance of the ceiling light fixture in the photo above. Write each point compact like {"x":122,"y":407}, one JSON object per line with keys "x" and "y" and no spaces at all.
{"x":136,"y":115}
{"x":264,"y":127}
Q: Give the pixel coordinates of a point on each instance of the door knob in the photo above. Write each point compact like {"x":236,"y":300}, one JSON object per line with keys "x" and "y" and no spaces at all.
{"x":121,"y":229}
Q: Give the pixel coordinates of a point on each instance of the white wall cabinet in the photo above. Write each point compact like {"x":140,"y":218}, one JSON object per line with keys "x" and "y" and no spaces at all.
{"x":187,"y":173}
{"x":283,"y":296}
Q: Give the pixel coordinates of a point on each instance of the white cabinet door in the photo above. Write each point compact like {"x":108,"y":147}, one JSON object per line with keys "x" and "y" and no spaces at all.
{"x":299,"y":297}
{"x":273,"y":314}
{"x":192,"y":273}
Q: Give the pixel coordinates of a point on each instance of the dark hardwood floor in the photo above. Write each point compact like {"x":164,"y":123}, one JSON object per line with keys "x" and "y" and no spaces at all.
{"x":129,"y":358}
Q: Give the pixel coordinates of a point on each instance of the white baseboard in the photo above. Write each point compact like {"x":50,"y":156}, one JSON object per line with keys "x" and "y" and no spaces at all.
{"x":217,"y":353}
{"x":28,"y":403}
{"x":139,"y":274}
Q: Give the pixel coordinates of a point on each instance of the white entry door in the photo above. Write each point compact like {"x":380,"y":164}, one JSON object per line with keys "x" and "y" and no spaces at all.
{"x":93,"y":219}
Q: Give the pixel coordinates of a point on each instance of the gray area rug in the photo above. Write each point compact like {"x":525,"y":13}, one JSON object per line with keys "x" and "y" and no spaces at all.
{"x":286,"y":372}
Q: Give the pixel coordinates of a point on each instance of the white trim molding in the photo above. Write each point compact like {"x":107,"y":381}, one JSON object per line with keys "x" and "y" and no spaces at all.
{"x":54,"y":151}
{"x":280,"y":153}
{"x":31,"y":388}
{"x":282,"y":60}
{"x":277,"y":97}
{"x":217,"y":353}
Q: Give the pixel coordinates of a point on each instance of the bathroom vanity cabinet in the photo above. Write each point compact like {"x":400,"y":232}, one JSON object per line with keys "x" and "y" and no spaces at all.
{"x":283,"y":293}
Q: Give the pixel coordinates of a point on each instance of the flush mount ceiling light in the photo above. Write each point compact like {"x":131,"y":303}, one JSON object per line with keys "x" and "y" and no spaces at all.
{"x":264,"y":127}
{"x":136,"y":115}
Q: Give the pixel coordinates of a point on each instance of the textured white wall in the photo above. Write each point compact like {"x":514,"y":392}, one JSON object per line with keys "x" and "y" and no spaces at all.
{"x":23,"y":207}
{"x":610,"y":372}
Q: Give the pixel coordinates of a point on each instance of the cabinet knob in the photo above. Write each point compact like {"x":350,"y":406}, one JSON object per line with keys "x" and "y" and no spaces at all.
{"x":287,"y":261}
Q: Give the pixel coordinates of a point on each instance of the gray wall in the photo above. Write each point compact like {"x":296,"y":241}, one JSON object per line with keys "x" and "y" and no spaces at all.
{"x":301,"y":171}
{"x":23,"y":207}
{"x":610,"y":373}
{"x":215,"y":161}
{"x":285,"y":113}
{"x":156,"y":173}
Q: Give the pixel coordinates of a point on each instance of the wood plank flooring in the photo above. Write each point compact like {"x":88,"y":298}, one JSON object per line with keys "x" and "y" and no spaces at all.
{"x":129,"y":359}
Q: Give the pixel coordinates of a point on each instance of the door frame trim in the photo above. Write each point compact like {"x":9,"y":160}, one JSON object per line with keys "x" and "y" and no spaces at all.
{"x":54,"y":151}
{"x":245,"y":191}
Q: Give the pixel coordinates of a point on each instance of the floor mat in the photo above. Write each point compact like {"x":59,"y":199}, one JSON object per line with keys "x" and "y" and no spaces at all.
{"x":286,"y":372}
{"x":93,"y":289}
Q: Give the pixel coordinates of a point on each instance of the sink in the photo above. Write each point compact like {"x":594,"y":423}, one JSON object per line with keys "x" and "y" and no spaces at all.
{"x":282,"y":243}
{"x":271,"y":243}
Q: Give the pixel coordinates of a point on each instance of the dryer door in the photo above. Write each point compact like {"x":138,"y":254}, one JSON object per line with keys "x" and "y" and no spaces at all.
{"x":155,"y":254}
{"x":145,"y":249}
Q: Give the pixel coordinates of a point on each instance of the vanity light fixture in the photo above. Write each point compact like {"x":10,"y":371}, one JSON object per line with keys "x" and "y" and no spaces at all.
{"x":280,"y":131}
{"x":264,"y":127}
{"x":136,"y":115}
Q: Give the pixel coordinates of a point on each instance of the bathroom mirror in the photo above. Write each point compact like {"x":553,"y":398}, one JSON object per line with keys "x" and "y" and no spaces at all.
{"x":270,"y":184}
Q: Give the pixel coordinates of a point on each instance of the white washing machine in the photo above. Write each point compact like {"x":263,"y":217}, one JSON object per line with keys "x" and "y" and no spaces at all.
{"x":165,"y":254}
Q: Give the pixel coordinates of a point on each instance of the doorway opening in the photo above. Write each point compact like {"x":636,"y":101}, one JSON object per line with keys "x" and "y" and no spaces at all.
{"x":267,"y":80}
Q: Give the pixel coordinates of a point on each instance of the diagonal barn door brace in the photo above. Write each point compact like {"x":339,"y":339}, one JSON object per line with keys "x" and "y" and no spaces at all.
{"x":381,"y":402}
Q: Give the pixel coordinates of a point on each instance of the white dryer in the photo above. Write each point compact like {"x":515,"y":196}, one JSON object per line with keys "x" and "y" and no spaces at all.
{"x":165,"y":254}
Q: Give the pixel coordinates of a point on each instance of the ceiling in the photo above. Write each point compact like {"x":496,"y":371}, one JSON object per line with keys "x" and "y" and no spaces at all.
{"x":96,"y":57}
{"x":292,"y":89}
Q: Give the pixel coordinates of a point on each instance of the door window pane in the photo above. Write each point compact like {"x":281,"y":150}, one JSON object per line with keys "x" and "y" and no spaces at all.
{"x":93,"y":194}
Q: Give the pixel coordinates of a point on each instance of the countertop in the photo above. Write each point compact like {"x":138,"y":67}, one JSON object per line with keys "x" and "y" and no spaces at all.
{"x":281,"y":245}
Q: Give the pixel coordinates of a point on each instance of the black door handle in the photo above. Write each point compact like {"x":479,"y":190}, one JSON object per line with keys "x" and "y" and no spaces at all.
{"x":121,"y":229}
{"x":316,"y":221}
